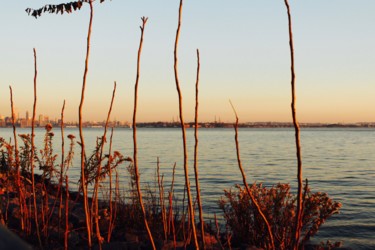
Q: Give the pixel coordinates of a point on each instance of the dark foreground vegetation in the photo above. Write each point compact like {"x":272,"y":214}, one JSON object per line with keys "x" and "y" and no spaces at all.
{"x":45,"y":212}
{"x":117,"y":217}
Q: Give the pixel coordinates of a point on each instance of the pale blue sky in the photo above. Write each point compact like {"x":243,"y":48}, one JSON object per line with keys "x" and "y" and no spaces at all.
{"x":244,"y":57}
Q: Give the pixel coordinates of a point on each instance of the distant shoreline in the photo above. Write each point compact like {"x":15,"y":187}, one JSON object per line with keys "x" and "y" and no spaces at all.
{"x":219,"y":125}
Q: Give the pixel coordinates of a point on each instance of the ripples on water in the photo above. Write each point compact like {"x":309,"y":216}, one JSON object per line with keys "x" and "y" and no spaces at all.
{"x":340,"y":162}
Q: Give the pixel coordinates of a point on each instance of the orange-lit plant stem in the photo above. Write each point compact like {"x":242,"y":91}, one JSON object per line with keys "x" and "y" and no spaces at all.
{"x":298,"y":223}
{"x":253,"y":200}
{"x":62,"y":166}
{"x":196,"y":172}
{"x":182,"y":123}
{"x":83,"y":177}
{"x":17,"y":163}
{"x":135,"y":157}
{"x":32,"y":153}
{"x":98,"y":175}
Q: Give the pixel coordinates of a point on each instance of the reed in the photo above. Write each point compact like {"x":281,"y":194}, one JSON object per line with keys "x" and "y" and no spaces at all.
{"x":182,"y":124}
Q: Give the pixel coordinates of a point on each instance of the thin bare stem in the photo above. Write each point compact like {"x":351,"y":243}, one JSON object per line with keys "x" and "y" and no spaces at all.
{"x":111,"y":221}
{"x":217,"y":231}
{"x":135,"y":157}
{"x":161,"y":199}
{"x":66,"y":235}
{"x":171,"y":219}
{"x":17,"y":162}
{"x":304,"y":201}
{"x":253,"y":200}
{"x":98,"y":177}
{"x":32,"y":153}
{"x":62,"y":166}
{"x":83,"y":177}
{"x":298,"y":223}
{"x":186,"y":169}
{"x":196,"y":172}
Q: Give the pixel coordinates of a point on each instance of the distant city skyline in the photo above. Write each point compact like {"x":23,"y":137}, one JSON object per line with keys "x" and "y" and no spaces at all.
{"x":215,"y":119}
{"x":244,"y":57}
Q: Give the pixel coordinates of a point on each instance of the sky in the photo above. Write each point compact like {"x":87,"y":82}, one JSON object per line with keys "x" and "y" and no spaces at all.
{"x":244,"y":54}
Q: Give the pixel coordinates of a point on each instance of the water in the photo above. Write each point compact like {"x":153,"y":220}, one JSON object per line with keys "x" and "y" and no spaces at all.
{"x":338,"y":161}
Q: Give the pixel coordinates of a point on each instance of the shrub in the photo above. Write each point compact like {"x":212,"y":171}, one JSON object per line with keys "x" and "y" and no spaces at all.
{"x":279,"y":207}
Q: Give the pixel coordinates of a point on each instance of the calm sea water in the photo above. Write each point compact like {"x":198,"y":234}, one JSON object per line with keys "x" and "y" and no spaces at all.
{"x":340,"y":162}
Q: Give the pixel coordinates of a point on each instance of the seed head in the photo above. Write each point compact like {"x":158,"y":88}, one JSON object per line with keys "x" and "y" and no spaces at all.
{"x":48,"y":127}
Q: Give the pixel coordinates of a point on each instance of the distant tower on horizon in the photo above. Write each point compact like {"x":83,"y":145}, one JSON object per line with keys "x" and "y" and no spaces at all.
{"x":40,"y":120}
{"x":27,"y":116}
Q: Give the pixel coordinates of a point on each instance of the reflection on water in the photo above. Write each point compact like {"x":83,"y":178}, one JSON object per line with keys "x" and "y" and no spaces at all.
{"x":340,"y":162}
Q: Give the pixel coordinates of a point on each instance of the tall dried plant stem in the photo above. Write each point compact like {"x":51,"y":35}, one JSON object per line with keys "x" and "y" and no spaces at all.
{"x":171,"y":218}
{"x":83,"y":177}
{"x":32,"y":153}
{"x":137,"y":177}
{"x":66,"y":234}
{"x":111,"y":221}
{"x":186,"y":169}
{"x":196,"y":153}
{"x":100,"y":238}
{"x":161,"y":199}
{"x":298,"y":223}
{"x":253,"y":200}
{"x":62,"y":166}
{"x":17,"y":162}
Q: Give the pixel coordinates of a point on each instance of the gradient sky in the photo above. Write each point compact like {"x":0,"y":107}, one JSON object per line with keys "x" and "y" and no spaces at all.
{"x":244,"y":57}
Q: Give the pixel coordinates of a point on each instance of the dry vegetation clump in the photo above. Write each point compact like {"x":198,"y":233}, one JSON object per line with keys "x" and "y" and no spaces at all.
{"x":60,"y":211}
{"x":278,"y":204}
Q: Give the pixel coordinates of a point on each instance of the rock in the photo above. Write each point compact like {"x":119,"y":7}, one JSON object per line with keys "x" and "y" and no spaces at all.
{"x":9,"y":240}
